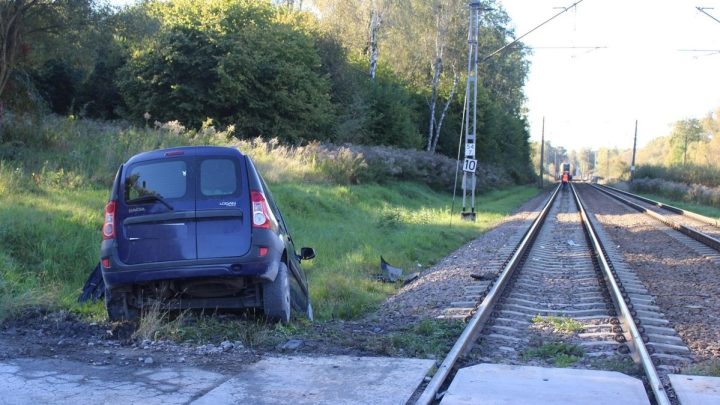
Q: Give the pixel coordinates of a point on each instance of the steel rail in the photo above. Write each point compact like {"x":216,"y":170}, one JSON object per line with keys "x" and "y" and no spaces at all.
{"x":629,"y":324}
{"x":689,"y":214}
{"x":697,"y":235}
{"x":483,"y":311}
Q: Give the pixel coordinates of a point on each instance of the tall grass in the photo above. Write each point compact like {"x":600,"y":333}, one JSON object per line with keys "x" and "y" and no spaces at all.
{"x":352,"y":226}
{"x":54,"y":178}
{"x":79,"y":152}
{"x":679,"y":192}
{"x":689,"y":174}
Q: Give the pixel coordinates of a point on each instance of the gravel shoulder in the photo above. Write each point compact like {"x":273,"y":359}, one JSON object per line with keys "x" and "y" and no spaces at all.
{"x":686,"y":285}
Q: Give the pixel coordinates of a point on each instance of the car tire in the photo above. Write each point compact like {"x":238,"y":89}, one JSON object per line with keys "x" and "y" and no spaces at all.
{"x":118,"y":309}
{"x":276,"y":296}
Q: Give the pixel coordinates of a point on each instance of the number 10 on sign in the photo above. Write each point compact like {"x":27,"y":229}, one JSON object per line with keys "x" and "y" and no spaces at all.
{"x":470,"y":165}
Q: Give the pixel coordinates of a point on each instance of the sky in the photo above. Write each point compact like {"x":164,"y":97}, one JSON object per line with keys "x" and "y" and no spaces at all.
{"x":590,"y":98}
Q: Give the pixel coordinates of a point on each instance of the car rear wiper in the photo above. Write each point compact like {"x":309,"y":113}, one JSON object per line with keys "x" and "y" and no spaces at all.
{"x":151,"y":197}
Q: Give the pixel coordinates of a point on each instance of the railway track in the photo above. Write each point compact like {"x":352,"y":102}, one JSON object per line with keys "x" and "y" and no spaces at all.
{"x":702,"y":229}
{"x":564,"y":298}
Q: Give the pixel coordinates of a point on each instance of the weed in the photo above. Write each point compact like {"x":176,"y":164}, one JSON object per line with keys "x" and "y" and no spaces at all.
{"x":561,"y":353}
{"x":561,"y":324}
{"x":153,"y":323}
{"x":692,"y":196}
{"x":623,"y":365}
{"x":430,"y":338}
{"x":565,"y":360}
{"x":201,"y":328}
{"x":390,"y":219}
{"x":710,"y":368}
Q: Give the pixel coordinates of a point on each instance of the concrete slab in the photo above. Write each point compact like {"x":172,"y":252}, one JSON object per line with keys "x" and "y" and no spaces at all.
{"x":505,"y":384}
{"x":339,"y":380}
{"x":43,"y":381}
{"x":695,"y":389}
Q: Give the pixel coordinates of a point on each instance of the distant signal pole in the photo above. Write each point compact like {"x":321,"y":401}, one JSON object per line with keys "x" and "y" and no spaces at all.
{"x":542,"y":155}
{"x":632,"y":164}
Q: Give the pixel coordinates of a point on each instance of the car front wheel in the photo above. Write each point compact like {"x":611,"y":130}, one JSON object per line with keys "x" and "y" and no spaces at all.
{"x":117,"y":306}
{"x":276,"y":296}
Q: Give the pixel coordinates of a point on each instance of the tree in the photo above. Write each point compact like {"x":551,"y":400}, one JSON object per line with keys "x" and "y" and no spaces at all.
{"x":360,"y":25}
{"x":15,"y":24}
{"x":240,"y":62}
{"x":442,"y":21}
{"x":35,"y":31}
{"x":685,"y":132}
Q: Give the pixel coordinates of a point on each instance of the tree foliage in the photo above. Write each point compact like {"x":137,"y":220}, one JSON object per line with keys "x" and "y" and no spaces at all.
{"x":271,"y":68}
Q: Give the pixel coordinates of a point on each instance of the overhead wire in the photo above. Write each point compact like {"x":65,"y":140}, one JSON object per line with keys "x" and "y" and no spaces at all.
{"x":531,"y":31}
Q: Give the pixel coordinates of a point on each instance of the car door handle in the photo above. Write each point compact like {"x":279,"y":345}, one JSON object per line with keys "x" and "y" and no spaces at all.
{"x":227,"y":213}
{"x":166,"y":217}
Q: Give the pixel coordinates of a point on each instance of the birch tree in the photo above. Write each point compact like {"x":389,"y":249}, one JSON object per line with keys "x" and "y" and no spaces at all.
{"x":444,"y":12}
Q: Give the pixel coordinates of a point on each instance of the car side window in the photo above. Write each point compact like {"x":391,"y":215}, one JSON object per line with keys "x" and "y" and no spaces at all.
{"x":166,"y":179}
{"x":218,"y":178}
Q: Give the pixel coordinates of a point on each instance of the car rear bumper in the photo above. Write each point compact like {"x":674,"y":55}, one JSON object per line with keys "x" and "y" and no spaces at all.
{"x":251,"y":265}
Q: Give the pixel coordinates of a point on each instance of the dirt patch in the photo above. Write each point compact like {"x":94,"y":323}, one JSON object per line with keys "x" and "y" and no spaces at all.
{"x":62,"y":335}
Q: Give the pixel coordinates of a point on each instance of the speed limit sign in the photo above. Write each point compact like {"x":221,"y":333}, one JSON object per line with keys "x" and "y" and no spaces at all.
{"x":470,"y":165}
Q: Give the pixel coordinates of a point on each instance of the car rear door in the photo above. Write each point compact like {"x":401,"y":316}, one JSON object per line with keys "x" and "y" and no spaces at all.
{"x":223,"y":206}
{"x":157,"y":210}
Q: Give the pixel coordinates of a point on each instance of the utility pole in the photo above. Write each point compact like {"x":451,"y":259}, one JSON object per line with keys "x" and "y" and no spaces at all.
{"x":632,"y":164}
{"x":607,"y":165}
{"x":542,"y":155}
{"x":470,"y":163}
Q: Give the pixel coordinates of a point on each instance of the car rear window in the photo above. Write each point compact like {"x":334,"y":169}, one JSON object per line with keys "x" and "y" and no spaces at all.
{"x":166,"y":179}
{"x":218,"y":177}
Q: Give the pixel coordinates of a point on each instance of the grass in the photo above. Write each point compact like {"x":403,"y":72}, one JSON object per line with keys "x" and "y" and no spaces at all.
{"x":705,"y":210}
{"x":431,"y":338}
{"x":561,"y":324}
{"x":688,"y":174}
{"x":55,"y":176}
{"x":50,"y":237}
{"x":560,"y":353}
{"x":623,"y":365}
{"x":202,"y":328}
{"x":710,"y":368}
{"x":350,"y":227}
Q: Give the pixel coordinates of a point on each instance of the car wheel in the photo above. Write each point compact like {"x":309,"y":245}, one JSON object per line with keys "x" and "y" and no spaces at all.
{"x":118,"y":308}
{"x":276,"y":296}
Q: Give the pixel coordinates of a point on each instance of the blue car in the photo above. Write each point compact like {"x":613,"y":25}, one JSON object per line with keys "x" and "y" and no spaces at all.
{"x":197,"y":227}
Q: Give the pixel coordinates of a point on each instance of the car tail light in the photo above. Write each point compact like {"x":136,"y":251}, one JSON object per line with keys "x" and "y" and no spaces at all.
{"x":106,"y":262}
{"x":108,"y":229}
{"x":263,"y":251}
{"x":262,"y":217}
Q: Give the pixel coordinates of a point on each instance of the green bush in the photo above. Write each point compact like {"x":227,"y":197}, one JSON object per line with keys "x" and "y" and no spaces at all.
{"x":694,"y":193}
{"x":689,"y":174}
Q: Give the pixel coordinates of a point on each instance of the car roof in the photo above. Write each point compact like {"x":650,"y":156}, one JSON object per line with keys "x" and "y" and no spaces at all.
{"x":185,"y":151}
